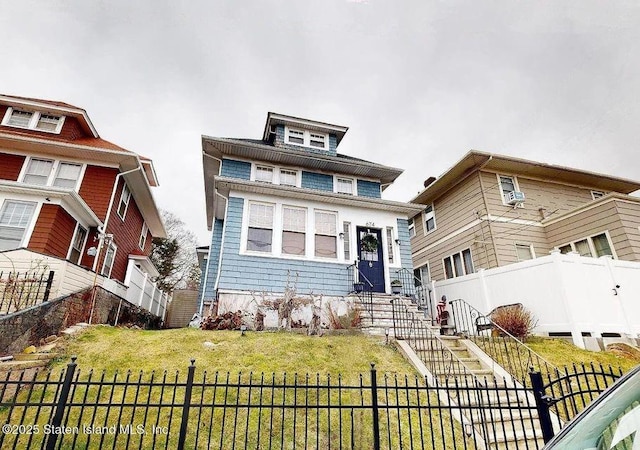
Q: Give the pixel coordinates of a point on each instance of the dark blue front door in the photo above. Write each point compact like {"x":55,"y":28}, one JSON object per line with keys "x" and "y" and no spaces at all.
{"x":370,"y":260}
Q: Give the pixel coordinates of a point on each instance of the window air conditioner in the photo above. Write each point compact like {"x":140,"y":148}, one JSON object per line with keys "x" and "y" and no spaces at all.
{"x":515,"y":197}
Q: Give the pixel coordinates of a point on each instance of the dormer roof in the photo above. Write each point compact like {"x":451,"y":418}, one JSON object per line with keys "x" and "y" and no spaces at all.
{"x":274,"y":119}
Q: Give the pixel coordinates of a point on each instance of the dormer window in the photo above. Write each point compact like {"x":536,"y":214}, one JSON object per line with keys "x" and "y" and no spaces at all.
{"x":306,"y":138}
{"x":33,"y":120}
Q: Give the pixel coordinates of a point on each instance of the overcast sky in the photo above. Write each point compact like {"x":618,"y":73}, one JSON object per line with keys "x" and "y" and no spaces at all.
{"x":418,"y":83}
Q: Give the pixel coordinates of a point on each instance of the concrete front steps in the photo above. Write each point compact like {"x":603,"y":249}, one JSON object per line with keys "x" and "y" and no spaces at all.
{"x":488,"y":408}
{"x":378,"y":318}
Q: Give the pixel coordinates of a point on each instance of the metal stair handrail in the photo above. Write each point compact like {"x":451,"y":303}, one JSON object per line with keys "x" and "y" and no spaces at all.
{"x":403,"y":319}
{"x":504,"y":348}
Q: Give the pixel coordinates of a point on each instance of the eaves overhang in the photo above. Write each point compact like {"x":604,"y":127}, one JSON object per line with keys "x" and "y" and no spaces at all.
{"x":475,"y":160}
{"x":224,"y":185}
{"x":141,"y":192}
{"x":70,"y":200}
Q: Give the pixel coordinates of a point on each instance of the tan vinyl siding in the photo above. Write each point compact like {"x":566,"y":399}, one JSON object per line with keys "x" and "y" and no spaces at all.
{"x":454,"y":245}
{"x":507,"y":235}
{"x":587,"y":223}
{"x":555,"y":198}
{"x":629,"y":214}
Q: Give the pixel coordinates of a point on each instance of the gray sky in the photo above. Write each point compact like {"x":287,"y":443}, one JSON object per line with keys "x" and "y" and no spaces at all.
{"x":419,"y":83}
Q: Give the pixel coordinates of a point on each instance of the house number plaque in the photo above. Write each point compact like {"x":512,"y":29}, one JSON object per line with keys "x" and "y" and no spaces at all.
{"x":371,"y":224}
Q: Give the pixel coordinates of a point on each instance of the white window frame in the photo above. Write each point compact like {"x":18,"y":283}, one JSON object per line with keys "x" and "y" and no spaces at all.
{"x":53,"y":173}
{"x":335,"y":236}
{"x":28,"y":229}
{"x":391,"y":247}
{"x":354,"y":185}
{"x":122,"y":200}
{"x":592,"y":247}
{"x":276,"y":179}
{"x":306,"y":137}
{"x":33,"y":122}
{"x":411,"y":225}
{"x":427,"y":216}
{"x":419,"y":269}
{"x":346,"y":240}
{"x":453,"y":265}
{"x":113,"y":260}
{"x":595,"y":195}
{"x":264,"y":167}
{"x":142,"y":241}
{"x":275,"y":242}
{"x":532,"y":251}
{"x":297,"y":174}
{"x":282,"y":230}
{"x":516,"y":186}
{"x":73,"y":240}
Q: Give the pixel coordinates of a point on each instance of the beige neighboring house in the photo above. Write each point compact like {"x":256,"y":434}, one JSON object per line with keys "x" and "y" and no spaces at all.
{"x":489,"y":229}
{"x":491,"y":210}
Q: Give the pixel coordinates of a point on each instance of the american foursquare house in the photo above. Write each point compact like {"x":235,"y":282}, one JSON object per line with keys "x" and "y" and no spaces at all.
{"x":288,"y":207}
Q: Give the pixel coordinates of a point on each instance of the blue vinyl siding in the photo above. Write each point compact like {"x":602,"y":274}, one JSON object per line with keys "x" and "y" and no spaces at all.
{"x":213,"y":261}
{"x":280,"y":141}
{"x":254,"y":273}
{"x":368,"y":189}
{"x":405,"y":247}
{"x":236,"y":169}
{"x":320,"y":181}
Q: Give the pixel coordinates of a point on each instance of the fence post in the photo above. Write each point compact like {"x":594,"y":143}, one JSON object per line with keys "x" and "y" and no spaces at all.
{"x":62,"y":403}
{"x":186,"y":406}
{"x":47,"y":289}
{"x":374,"y":406}
{"x":542,"y":404}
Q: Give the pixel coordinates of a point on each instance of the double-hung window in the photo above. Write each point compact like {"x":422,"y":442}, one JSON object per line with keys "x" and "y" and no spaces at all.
{"x":38,"y":171}
{"x":15,"y":217}
{"x":524,"y":252}
{"x":260,"y":232}
{"x":33,"y":120}
{"x":325,"y":235}
{"x":109,"y":258}
{"x":593,"y":246}
{"x":20,"y":119}
{"x":142,"y":242}
{"x":429,"y":219}
{"x":458,"y":264}
{"x":344,"y":186}
{"x":295,"y":136}
{"x":67,"y":175}
{"x":77,"y":245}
{"x":294,"y":225}
{"x":125,"y":196}
{"x":412,"y":227}
{"x":306,"y":138}
{"x":288,"y":177}
{"x":264,"y":174}
{"x":47,"y":122}
{"x":507,"y":185}
{"x":317,"y":140}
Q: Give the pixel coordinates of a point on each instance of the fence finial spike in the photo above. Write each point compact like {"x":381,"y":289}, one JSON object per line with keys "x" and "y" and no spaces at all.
{"x":73,"y":359}
{"x":373,"y":365}
{"x":193,"y":361}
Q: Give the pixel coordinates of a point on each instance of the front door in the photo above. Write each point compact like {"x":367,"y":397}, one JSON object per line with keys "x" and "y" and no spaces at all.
{"x":370,"y":258}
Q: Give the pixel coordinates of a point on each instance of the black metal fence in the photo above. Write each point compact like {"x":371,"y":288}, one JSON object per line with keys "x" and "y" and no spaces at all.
{"x":362,"y":287}
{"x":416,"y":290}
{"x":23,"y":290}
{"x":72,"y":409}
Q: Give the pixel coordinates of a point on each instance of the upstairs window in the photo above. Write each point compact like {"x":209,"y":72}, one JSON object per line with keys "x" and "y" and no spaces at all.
{"x":593,"y":246}
{"x":33,"y":120}
{"x":67,"y":175}
{"x":507,"y":185}
{"x":124,"y":201}
{"x":412,"y":227}
{"x":38,"y":171}
{"x":429,"y":219}
{"x":142,"y":242}
{"x":264,"y":174}
{"x":306,"y":138}
{"x":344,"y":186}
{"x":288,"y":177}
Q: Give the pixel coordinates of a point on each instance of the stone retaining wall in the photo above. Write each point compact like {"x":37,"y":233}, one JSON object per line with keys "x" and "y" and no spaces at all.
{"x":30,"y":326}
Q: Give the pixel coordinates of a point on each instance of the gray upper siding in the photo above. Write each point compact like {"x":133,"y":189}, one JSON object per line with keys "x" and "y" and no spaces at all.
{"x":236,"y":169}
{"x":333,"y":144}
{"x":319,"y":181}
{"x":368,"y":189}
{"x":255,"y":273}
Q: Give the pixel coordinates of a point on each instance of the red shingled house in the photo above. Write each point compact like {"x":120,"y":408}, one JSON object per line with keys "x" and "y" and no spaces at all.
{"x":67,"y":193}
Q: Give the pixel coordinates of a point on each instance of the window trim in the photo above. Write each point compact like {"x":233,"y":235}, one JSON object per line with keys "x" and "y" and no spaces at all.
{"x":419,"y":269}
{"x":532,"y":251}
{"x":113,"y":246}
{"x":592,"y":247}
{"x":463,"y":262}
{"x":142,"y":240}
{"x":28,"y":229}
{"x":391,"y":247}
{"x":315,"y":233}
{"x":276,"y":180}
{"x":411,"y":226}
{"x":354,"y":185}
{"x":73,"y":240}
{"x":264,"y":166}
{"x":297,"y":173}
{"x":306,"y":137}
{"x":128,"y":200}
{"x":429,"y":215}
{"x":56,"y":163}
{"x":282,"y":230}
{"x":246,"y":226}
{"x":516,"y":186}
{"x":33,"y":122}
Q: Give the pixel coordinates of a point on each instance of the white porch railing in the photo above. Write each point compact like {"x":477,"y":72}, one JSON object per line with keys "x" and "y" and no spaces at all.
{"x":566,"y":293}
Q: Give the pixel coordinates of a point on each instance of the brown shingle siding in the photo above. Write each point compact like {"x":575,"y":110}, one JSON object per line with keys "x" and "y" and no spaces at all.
{"x":96,"y":187}
{"x":53,"y":231}
{"x":10,"y":166}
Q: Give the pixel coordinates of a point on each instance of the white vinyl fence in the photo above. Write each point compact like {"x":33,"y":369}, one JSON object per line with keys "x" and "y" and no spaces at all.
{"x":144,"y":293}
{"x":566,"y":293}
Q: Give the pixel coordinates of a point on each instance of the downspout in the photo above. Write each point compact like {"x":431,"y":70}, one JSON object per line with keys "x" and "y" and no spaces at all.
{"x":224,"y":226}
{"x":106,"y":220}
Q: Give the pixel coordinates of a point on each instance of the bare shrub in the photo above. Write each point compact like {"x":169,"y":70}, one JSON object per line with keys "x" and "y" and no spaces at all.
{"x":515,"y":320}
{"x":352,"y":319}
